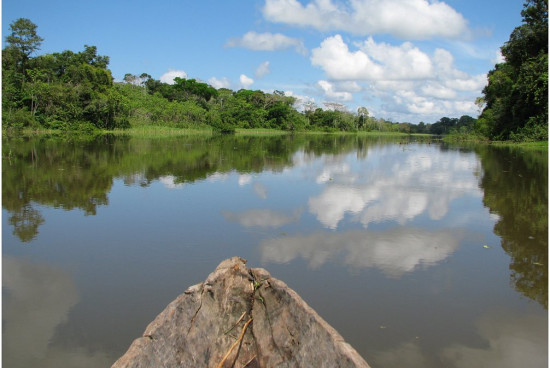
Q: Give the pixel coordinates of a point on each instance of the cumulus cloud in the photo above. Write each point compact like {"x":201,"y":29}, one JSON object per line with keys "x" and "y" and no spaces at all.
{"x":407,"y":78}
{"x":267,"y":42}
{"x":372,"y":61}
{"x":219,"y":83}
{"x":262,"y":70}
{"x":169,"y":76}
{"x":246,"y":81}
{"x":330,"y":92}
{"x":410,"y":19}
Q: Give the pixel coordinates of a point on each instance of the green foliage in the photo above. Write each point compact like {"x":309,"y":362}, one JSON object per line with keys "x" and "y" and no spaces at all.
{"x":23,"y":41}
{"x":516,"y":96}
{"x":64,"y":90}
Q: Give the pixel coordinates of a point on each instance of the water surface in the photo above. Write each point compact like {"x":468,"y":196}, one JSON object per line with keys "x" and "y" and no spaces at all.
{"x":420,"y":254}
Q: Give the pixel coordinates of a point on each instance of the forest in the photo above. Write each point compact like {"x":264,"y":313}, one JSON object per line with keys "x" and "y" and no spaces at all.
{"x":76,"y":91}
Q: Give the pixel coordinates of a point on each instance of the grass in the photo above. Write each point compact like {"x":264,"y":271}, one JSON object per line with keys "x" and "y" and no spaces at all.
{"x":535,"y":146}
{"x":154,"y":131}
{"x":260,"y":131}
{"x":465,"y":137}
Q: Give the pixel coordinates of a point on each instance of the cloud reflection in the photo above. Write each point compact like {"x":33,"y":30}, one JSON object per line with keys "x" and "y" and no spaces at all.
{"x":409,"y":352}
{"x":512,"y":341}
{"x":262,"y":218}
{"x":393,"y":252}
{"x":394,"y":187}
{"x":260,"y":190}
{"x":37,"y":298}
{"x":169,"y":182}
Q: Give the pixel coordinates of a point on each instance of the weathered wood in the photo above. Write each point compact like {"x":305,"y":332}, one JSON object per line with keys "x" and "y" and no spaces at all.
{"x":239,"y":317}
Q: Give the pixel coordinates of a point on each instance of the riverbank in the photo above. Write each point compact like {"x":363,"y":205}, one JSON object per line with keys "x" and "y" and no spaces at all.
{"x":159,"y":131}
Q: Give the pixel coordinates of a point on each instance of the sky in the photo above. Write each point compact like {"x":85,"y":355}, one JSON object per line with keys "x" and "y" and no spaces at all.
{"x":404,"y":60}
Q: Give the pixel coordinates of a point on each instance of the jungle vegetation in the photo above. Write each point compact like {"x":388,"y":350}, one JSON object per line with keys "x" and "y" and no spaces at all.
{"x":516,"y":97}
{"x":76,"y":91}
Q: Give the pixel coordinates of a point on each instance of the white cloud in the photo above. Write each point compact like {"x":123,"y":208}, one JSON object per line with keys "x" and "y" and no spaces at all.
{"x":410,"y":19}
{"x":169,"y":76}
{"x":372,"y":62}
{"x":262,"y":70}
{"x":407,"y":79}
{"x":330,"y":92}
{"x":335,"y":58}
{"x":436,"y":90}
{"x":499,"y":58}
{"x":219,"y":83}
{"x":472,"y":84}
{"x":246,"y":81}
{"x":267,"y":42}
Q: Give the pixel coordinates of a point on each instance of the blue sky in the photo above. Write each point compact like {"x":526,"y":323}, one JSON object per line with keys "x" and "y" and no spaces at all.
{"x":404,"y":60}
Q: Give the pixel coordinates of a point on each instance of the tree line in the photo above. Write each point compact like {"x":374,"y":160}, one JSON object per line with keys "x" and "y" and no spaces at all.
{"x":75,"y":91}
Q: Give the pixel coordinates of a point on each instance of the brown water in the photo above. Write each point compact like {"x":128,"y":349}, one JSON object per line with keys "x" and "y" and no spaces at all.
{"x":418,"y":253}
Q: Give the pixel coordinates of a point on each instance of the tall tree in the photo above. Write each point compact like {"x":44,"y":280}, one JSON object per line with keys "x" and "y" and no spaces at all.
{"x":24,"y":40}
{"x":516,"y":96}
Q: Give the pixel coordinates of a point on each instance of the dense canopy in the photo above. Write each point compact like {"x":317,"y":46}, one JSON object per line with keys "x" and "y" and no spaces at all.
{"x":516,"y":96}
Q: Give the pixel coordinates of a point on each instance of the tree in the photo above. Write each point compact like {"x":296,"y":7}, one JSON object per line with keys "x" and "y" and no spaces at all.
{"x":480,"y":103}
{"x":24,"y":40}
{"x":516,"y":97}
{"x":363,"y":115}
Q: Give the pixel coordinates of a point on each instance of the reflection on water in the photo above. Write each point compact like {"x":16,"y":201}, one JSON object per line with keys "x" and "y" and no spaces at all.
{"x":262,"y":218}
{"x":516,"y":188}
{"x":37,"y":299}
{"x":421,"y":238}
{"x":394,"y":252}
{"x":399,"y":187}
{"x":509,"y":341}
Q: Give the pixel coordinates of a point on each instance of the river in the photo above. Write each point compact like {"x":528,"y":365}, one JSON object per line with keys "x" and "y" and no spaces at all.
{"x":421,"y":254}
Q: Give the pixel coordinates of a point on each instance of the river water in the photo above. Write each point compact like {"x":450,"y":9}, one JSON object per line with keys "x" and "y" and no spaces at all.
{"x":419,"y":253}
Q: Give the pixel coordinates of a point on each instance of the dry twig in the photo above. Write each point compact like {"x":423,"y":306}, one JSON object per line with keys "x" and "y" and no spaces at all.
{"x":234,"y":344}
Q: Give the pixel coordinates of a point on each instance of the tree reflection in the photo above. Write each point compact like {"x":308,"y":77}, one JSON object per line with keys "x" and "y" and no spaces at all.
{"x":515,"y":184}
{"x":63,"y":174}
{"x":25,"y":222}
{"x":78,"y":173}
